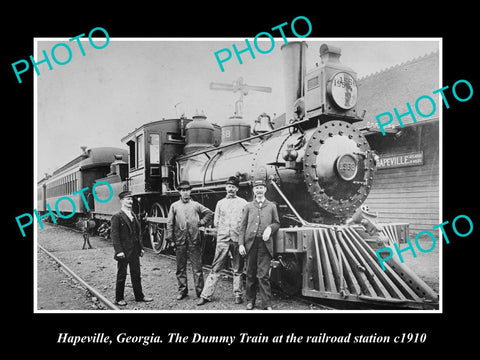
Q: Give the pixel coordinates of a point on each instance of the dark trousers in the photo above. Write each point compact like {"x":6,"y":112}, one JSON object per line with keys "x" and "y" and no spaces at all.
{"x":258,"y":266}
{"x":194,"y":253}
{"x":133,"y":262}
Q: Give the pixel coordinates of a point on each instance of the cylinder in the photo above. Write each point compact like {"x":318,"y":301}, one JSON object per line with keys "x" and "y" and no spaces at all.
{"x":294,"y":66}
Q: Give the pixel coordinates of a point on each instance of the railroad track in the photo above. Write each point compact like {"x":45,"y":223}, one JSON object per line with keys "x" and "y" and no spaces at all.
{"x":108,"y":304}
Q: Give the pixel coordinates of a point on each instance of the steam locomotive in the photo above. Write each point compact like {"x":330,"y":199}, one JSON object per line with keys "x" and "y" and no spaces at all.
{"x":319,"y":169}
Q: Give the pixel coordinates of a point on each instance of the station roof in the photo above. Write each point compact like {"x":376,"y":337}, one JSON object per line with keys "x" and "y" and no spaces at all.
{"x":395,"y":86}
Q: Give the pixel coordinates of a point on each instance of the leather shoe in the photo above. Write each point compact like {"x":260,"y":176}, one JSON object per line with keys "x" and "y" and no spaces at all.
{"x":181,"y":296}
{"x":250,"y":306}
{"x":238,"y":300}
{"x":121,"y":302}
{"x":202,"y":301}
{"x":145,"y":299}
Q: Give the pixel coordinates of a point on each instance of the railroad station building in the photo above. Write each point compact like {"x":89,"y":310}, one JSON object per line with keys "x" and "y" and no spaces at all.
{"x":407,"y":183}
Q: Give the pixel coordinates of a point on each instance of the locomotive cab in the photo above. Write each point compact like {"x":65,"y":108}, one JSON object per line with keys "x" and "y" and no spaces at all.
{"x":151,"y":148}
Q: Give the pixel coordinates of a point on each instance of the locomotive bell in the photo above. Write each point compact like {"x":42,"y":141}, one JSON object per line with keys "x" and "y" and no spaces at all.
{"x":263,"y":124}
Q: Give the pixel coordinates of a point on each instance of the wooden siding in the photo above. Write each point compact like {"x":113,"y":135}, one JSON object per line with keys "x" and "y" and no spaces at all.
{"x":409,"y":194}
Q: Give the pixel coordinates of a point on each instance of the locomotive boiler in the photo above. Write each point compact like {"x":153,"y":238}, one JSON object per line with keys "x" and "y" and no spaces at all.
{"x":319,"y":169}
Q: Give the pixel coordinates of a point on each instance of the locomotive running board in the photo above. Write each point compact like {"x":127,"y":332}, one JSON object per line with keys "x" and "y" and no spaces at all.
{"x":339,"y":264}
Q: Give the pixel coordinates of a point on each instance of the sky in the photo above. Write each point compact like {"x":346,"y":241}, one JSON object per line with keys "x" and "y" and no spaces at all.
{"x":96,"y":99}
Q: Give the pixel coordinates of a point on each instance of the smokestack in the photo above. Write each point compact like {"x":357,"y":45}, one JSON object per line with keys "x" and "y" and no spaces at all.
{"x":294,"y":66}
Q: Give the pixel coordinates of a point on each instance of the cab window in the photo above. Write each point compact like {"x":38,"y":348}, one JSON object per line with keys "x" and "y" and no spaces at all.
{"x":155,"y":149}
{"x":140,"y":148}
{"x":131,"y":154}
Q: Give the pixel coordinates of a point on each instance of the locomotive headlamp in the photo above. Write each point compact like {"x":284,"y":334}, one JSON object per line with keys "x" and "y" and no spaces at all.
{"x":342,"y":88}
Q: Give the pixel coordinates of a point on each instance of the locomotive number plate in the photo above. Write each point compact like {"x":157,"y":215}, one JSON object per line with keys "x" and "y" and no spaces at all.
{"x":344,"y":90}
{"x":347,"y":167}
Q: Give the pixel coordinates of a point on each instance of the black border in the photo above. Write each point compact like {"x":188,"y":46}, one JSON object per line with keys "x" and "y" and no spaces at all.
{"x":28,"y":331}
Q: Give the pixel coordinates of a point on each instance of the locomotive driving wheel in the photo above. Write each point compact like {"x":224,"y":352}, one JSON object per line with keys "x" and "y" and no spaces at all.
{"x":157,"y":231}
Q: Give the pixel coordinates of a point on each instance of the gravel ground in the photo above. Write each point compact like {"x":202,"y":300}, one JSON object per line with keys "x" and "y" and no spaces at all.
{"x":98,"y":268}
{"x":425,"y":265}
{"x":56,"y":291}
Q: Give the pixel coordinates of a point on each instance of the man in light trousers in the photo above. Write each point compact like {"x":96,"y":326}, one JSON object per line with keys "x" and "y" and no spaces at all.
{"x":228,"y":214}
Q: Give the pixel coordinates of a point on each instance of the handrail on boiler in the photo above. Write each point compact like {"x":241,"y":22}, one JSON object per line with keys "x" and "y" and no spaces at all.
{"x":214,"y":148}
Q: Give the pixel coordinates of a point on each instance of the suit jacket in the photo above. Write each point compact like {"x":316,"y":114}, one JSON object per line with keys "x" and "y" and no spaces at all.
{"x":125,"y":235}
{"x":254,"y":221}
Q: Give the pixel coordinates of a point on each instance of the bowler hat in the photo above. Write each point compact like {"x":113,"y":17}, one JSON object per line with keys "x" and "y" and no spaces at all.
{"x":124,"y":194}
{"x":184,"y":184}
{"x":233,"y":180}
{"x":259,"y":182}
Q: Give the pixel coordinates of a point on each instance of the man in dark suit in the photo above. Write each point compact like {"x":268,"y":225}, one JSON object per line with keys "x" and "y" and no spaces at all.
{"x":128,"y":248}
{"x":259,"y":221}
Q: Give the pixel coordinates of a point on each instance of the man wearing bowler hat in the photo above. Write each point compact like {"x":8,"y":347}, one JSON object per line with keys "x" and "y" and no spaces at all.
{"x":185,"y":217}
{"x":228,"y":214}
{"x":259,"y":221}
{"x":128,"y":248}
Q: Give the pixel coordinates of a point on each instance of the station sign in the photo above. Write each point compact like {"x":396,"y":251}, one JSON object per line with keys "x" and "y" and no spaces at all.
{"x":400,"y":160}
